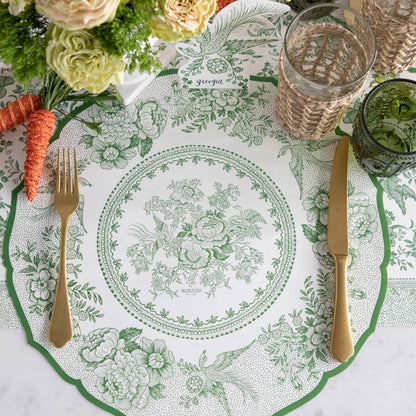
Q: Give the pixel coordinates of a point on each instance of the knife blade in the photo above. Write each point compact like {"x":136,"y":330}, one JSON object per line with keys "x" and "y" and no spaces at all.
{"x":341,"y":346}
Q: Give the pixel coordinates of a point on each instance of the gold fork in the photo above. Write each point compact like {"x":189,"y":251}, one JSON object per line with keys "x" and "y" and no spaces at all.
{"x":66,"y":201}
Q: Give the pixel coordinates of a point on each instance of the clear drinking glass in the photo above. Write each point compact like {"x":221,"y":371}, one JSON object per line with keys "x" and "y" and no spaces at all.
{"x":394,"y":25}
{"x":327,"y":53}
{"x":384,"y":137}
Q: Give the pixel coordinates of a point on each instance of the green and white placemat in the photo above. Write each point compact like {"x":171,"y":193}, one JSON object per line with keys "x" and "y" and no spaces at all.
{"x":229,"y":61}
{"x":199,"y":276}
{"x":200,"y":280}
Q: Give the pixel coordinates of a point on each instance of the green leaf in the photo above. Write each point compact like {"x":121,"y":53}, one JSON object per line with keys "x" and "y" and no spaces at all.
{"x":310,"y":233}
{"x":145,"y":146}
{"x":309,"y":311}
{"x":244,"y":305}
{"x":296,"y":166}
{"x":28,"y":270}
{"x":212,"y":319}
{"x":86,"y":139}
{"x":134,"y":141}
{"x":129,"y":334}
{"x":198,"y":323}
{"x":5,"y":81}
{"x":308,"y":354}
{"x":302,"y":329}
{"x":321,"y":355}
{"x":131,"y":346}
{"x":398,"y":192}
{"x":321,"y":228}
{"x":314,"y":145}
{"x":157,"y":391}
{"x":94,"y":126}
{"x":219,"y":254}
{"x":227,"y":248}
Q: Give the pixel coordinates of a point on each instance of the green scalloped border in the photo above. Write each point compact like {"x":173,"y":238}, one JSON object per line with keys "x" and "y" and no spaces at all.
{"x":78,"y":384}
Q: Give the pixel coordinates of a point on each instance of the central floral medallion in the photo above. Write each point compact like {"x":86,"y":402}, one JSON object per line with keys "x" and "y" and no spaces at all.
{"x":196,"y":219}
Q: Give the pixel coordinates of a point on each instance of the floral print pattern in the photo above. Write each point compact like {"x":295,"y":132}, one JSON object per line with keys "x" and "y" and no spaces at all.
{"x":112,"y":155}
{"x":196,"y":238}
{"x":233,"y":110}
{"x":362,"y":222}
{"x":121,"y":133}
{"x":204,"y":244}
{"x":151,"y":120}
{"x":122,"y":382}
{"x":41,"y":270}
{"x":155,"y":358}
{"x":303,"y":335}
{"x":316,"y":204}
{"x":42,"y":286}
{"x":130,"y":369}
{"x":99,"y":345}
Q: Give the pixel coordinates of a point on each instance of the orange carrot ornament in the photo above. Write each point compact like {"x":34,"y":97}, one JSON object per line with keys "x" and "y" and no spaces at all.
{"x":41,"y":124}
{"x":18,"y":111}
{"x":39,"y":131}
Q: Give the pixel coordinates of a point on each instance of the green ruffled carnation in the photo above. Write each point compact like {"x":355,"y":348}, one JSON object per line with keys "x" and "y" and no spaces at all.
{"x":81,"y":61}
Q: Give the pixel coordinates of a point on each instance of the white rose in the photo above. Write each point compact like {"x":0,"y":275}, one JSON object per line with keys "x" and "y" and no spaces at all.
{"x":78,"y":14}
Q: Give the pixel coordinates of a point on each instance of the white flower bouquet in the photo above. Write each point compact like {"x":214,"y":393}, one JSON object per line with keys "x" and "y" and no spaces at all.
{"x":78,"y":48}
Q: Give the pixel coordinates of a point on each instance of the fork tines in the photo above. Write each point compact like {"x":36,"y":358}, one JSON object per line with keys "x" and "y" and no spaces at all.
{"x":64,"y":182}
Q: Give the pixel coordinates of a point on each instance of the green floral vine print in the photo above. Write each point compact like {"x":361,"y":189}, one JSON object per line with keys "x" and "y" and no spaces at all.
{"x":4,"y":82}
{"x":233,"y":111}
{"x":402,"y":242}
{"x":130,"y":369}
{"x":361,"y":222}
{"x":42,"y":270}
{"x":399,"y":189}
{"x":295,"y":343}
{"x":218,"y":51}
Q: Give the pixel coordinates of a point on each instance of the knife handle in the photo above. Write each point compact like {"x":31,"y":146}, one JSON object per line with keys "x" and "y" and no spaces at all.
{"x":341,"y":347}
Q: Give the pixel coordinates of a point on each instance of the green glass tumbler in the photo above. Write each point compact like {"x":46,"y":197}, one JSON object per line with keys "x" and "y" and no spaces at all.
{"x":299,"y":5}
{"x":384,"y":136}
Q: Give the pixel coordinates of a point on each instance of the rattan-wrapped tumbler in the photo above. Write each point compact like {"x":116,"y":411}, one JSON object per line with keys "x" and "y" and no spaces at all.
{"x":327,"y":53}
{"x":394,"y":24}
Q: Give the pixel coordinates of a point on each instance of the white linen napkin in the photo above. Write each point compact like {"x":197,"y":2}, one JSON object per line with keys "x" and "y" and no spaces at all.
{"x":136,"y":82}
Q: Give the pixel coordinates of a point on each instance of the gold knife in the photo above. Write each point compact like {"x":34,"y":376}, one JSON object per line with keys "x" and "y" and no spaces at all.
{"x":341,"y":347}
